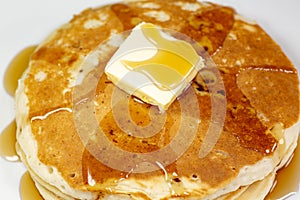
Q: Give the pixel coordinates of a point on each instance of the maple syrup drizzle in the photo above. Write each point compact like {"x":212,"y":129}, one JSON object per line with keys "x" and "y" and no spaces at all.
{"x":28,"y":191}
{"x":287,"y":178}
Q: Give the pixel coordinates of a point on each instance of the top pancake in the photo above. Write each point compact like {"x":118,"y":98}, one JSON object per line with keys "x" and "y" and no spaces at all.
{"x":261,"y":90}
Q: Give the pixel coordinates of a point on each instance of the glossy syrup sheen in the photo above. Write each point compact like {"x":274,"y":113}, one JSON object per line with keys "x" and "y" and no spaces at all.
{"x":7,"y":143}
{"x":172,"y":63}
{"x":287,"y":178}
{"x":16,"y":68}
{"x":14,"y":71}
{"x":28,"y":191}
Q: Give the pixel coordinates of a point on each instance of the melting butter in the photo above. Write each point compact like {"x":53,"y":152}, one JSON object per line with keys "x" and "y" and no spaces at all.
{"x":153,"y":66}
{"x":171,"y":64}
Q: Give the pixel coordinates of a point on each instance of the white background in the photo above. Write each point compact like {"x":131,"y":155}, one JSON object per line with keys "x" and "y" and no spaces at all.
{"x":24,"y":23}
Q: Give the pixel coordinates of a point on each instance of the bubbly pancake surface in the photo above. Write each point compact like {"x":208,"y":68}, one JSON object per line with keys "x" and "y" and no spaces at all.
{"x":261,"y":90}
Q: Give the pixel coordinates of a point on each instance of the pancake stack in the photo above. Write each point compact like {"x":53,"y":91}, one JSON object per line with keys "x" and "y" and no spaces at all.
{"x":71,"y":117}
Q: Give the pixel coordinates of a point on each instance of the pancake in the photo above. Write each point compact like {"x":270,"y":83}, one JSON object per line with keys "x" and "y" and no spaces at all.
{"x":245,"y":91}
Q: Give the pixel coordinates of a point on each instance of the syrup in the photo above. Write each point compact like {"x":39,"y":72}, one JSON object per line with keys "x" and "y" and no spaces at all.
{"x":28,"y":191}
{"x":7,"y":143}
{"x":16,"y":68}
{"x":287,"y":178}
{"x":13,"y":72}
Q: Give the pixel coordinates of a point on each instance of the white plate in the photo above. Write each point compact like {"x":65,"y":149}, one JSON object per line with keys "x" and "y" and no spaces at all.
{"x":24,"y":23}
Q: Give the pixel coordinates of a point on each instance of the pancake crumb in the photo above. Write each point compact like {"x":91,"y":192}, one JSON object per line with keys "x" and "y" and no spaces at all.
{"x":249,"y":28}
{"x":149,"y":5}
{"x":40,"y":76}
{"x":188,"y":6}
{"x":158,"y":15}
{"x":93,"y":24}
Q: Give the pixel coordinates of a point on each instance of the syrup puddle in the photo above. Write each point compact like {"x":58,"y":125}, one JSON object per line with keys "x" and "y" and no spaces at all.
{"x":287,"y":178}
{"x":7,"y":143}
{"x":16,"y":68}
{"x":28,"y":191}
{"x":14,"y":71}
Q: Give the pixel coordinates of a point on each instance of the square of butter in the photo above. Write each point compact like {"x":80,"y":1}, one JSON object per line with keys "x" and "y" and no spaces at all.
{"x":153,"y":66}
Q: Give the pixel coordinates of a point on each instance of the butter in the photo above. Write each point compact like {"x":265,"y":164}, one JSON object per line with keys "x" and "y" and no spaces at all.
{"x":153,"y":66}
